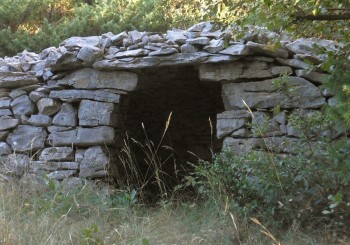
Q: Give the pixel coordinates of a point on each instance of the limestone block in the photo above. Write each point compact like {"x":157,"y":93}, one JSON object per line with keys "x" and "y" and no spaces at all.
{"x":67,"y":60}
{"x":278,"y":70}
{"x":22,"y":106}
{"x":79,"y":155}
{"x":16,"y":93}
{"x":316,"y":77}
{"x":263,"y":95}
{"x":5,"y":149}
{"x":136,"y":36}
{"x":17,"y":79}
{"x":291,"y":131}
{"x":102,"y":135}
{"x":93,"y":79}
{"x":188,"y":48}
{"x":198,"y":41}
{"x":230,"y":121}
{"x":25,"y":138}
{"x":95,"y":159}
{"x":220,"y":72}
{"x":79,"y":42}
{"x":177,"y":36}
{"x":116,"y":39}
{"x":57,"y":154}
{"x":155,"y":38}
{"x":237,"y":49}
{"x":206,"y":26}
{"x":265,"y":50}
{"x":78,"y":95}
{"x":89,"y":54}
{"x":39,"y":166}
{"x":94,"y":113}
{"x":153,"y":61}
{"x":132,"y":53}
{"x":234,"y":71}
{"x":35,"y":96}
{"x":66,"y":117}
{"x":215,"y":46}
{"x":242,"y":146}
{"x":294,"y":63}
{"x":58,"y":129}
{"x":192,"y":34}
{"x":5,"y":103}
{"x":240,"y":133}
{"x":5,"y":112}
{"x":48,"y":106}
{"x":164,"y":52}
{"x":40,"y":120}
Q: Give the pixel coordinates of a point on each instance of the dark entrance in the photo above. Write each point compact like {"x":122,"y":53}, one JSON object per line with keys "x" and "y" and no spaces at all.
{"x":172,"y":116}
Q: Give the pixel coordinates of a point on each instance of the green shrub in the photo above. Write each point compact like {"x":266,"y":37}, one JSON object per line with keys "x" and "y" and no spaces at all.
{"x":311,"y":186}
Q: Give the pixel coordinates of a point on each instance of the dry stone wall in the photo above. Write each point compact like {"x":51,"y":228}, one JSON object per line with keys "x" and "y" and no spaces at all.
{"x":62,"y":112}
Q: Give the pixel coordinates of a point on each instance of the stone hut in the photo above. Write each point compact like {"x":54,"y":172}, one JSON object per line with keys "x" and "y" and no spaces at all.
{"x":67,"y":112}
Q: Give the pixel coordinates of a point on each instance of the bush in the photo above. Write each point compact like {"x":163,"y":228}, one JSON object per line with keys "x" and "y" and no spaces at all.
{"x":311,"y":186}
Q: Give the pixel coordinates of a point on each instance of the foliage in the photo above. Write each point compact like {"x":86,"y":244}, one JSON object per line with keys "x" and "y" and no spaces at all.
{"x":38,"y":24}
{"x":310,"y":186}
{"x":286,"y":16}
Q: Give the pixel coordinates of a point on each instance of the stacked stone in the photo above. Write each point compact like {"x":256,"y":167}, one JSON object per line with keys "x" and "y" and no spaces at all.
{"x":60,"y":109}
{"x":250,"y":94}
{"x":62,"y":127}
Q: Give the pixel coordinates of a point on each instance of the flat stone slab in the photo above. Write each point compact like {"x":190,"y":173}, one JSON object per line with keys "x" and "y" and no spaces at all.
{"x":57,"y":154}
{"x":95,"y":160}
{"x":17,"y":79}
{"x":22,"y":106}
{"x":66,"y":117}
{"x":316,"y":77}
{"x":5,"y":103}
{"x":230,"y":121}
{"x":153,"y":61}
{"x":237,"y":50}
{"x":93,"y":79}
{"x":78,"y":95}
{"x":48,"y":106}
{"x":264,"y":95}
{"x":265,"y":50}
{"x":234,"y":71}
{"x":8,"y":123}
{"x":36,"y":166}
{"x":95,"y":113}
{"x":26,"y":138}
{"x":102,"y":135}
{"x":40,"y":120}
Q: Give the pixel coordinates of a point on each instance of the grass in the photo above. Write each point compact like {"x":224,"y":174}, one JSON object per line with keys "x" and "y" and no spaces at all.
{"x":86,"y":216}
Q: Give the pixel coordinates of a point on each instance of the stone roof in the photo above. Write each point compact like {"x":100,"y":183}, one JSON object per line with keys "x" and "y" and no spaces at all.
{"x":205,"y":42}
